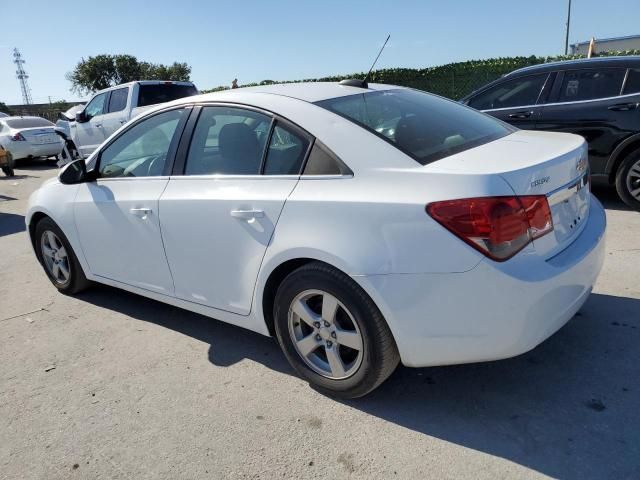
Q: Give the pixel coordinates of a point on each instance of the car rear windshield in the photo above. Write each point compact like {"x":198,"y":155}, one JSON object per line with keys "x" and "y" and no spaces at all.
{"x":425,"y":127}
{"x":163,"y":92}
{"x":28,"y":123}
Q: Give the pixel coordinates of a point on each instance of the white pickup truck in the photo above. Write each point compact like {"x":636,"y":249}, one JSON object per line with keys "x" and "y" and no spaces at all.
{"x":111,"y":108}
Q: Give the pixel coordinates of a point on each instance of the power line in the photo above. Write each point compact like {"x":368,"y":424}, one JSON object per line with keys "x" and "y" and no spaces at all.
{"x":22,"y":77}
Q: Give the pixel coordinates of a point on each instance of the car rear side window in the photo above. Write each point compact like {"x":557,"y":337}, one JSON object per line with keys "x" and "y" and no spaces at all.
{"x":152,"y":94}
{"x":590,"y":84}
{"x":510,"y":93}
{"x":322,"y":161}
{"x":28,"y":123}
{"x":286,"y":153}
{"x":425,"y":127}
{"x":228,"y":141}
{"x":118,"y":100}
{"x":633,"y":82}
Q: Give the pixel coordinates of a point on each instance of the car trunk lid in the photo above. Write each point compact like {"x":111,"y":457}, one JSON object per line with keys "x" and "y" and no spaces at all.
{"x":536,"y":163}
{"x":40,"y":135}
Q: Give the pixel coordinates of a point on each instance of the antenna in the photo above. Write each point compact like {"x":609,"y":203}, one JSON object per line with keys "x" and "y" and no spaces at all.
{"x":374,"y":62}
{"x":22,"y":77}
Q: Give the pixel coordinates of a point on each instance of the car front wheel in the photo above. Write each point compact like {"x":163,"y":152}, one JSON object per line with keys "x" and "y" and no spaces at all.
{"x":332,"y":333}
{"x":58,"y":258}
{"x":628,"y":180}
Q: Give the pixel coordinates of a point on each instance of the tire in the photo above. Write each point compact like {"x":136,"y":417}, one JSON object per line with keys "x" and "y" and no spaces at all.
{"x":370,"y":357}
{"x":50,"y":243}
{"x":628,"y":180}
{"x":8,"y":171}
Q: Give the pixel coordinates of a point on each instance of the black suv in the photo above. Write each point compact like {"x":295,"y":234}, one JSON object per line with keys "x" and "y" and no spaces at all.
{"x":597,"y":98}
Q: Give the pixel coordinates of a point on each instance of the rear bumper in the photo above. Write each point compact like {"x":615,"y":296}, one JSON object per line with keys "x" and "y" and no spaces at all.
{"x":494,"y":311}
{"x":24,"y":149}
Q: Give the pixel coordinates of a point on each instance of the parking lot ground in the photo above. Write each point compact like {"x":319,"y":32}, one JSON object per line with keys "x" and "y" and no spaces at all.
{"x":111,"y":385}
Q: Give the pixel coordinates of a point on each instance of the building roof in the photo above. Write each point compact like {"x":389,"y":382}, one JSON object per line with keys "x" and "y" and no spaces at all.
{"x":612,"y":39}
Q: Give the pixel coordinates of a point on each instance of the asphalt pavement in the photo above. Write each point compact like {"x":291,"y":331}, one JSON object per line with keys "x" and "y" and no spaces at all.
{"x":109,"y":385}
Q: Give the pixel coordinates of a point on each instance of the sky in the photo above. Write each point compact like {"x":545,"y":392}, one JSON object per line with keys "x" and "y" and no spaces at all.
{"x":287,"y":39}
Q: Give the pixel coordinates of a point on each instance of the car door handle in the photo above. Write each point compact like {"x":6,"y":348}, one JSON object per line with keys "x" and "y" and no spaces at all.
{"x":97,"y":125}
{"x":247,"y":214}
{"x":525,"y":114}
{"x":122,"y":122}
{"x":623,"y":107}
{"x":141,"y":212}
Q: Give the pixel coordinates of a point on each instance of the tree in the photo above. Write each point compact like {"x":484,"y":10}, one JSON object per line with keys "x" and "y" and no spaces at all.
{"x":104,"y":71}
{"x":5,"y":109}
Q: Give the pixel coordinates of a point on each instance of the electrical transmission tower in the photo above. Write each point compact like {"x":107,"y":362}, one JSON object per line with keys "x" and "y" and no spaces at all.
{"x":22,"y":77}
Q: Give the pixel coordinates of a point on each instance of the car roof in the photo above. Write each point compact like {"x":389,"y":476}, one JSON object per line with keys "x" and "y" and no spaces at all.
{"x":305,"y":91}
{"x":620,"y":61}
{"x":143,"y":82}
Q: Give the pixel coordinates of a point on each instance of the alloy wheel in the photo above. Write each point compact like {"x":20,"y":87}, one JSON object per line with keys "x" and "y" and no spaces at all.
{"x":55,"y":257}
{"x":633,"y":180}
{"x":325,"y":334}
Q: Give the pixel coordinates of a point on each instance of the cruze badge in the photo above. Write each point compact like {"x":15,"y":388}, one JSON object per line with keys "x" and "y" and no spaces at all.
{"x":540,"y":181}
{"x":581,"y":166}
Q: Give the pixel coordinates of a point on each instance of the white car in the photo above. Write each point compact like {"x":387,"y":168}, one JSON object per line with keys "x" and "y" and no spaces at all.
{"x":361,"y":225}
{"x":29,"y":137}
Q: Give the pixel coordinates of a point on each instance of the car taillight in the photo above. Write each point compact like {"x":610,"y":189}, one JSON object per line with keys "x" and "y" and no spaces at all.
{"x":499,"y":227}
{"x":18,"y":137}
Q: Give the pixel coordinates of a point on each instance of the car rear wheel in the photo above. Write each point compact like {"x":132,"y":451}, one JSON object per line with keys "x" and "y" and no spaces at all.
{"x":628,"y":180}
{"x":58,"y":258}
{"x":8,"y":171}
{"x":332,"y":333}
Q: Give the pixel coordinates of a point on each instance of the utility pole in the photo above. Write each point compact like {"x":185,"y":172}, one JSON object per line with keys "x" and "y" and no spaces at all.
{"x":566,"y":38}
{"x":22,"y":77}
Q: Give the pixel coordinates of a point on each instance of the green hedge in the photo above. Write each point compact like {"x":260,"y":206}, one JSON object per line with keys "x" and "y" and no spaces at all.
{"x":453,"y":80}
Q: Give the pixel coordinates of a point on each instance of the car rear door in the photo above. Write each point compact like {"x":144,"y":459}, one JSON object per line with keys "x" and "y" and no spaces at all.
{"x":116,"y":110}
{"x":514,"y":100}
{"x":588,"y":102}
{"x":222,"y":204}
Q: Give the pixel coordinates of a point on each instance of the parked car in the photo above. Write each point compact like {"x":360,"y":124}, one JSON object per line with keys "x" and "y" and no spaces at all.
{"x":111,"y":108}
{"x":359,"y":225}
{"x":29,"y":137}
{"x":2,"y":115}
{"x":597,"y":98}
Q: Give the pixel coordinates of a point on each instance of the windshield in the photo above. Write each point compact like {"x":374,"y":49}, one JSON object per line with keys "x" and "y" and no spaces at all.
{"x":425,"y":127}
{"x":151,"y":94}
{"x":28,"y":122}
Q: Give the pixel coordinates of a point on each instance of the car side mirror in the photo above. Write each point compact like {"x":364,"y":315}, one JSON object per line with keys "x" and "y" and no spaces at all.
{"x":81,"y":117}
{"x":74,"y":172}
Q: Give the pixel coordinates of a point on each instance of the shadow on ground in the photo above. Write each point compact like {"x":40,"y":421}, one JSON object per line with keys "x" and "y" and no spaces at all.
{"x":567,"y":409}
{"x":11,"y":223}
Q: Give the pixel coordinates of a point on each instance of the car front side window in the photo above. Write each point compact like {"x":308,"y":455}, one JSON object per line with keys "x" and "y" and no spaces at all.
{"x":518,"y":92}
{"x":227,"y":141}
{"x":95,"y":106}
{"x":142,"y":150}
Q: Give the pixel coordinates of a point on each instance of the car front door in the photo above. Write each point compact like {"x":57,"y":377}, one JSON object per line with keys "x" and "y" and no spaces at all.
{"x":89,"y":134}
{"x":219,"y":212}
{"x":513,"y":100}
{"x":588,"y":102}
{"x":117,"y":214}
{"x":116,"y":111}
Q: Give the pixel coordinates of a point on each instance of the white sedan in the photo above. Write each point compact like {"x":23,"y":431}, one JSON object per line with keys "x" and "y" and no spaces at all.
{"x":361,"y":225}
{"x":29,"y":137}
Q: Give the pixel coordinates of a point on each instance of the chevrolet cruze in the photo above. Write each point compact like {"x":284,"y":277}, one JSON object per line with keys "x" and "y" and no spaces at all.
{"x":361,"y":225}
